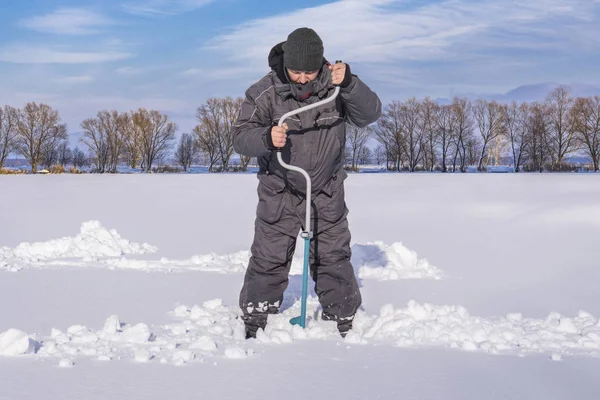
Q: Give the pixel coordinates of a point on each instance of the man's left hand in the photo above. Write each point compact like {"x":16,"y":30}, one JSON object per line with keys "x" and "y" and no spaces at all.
{"x":338,"y":72}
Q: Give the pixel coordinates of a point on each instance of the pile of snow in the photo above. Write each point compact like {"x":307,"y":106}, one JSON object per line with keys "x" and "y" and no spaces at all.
{"x":96,"y":246}
{"x":453,"y":326}
{"x":93,"y":242}
{"x":14,"y":342}
{"x":213,"y":331}
{"x":396,"y":261}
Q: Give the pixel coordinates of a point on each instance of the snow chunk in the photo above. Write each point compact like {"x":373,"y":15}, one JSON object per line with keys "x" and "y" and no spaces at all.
{"x":65,"y":363}
{"x":235,"y":352}
{"x":391,"y":262}
{"x":14,"y":342}
{"x":112,"y":325}
{"x":141,"y":355}
{"x":204,"y":343}
{"x":139,"y":334}
{"x":183,"y":356}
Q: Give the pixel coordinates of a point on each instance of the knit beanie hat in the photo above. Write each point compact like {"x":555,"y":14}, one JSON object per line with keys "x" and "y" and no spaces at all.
{"x":303,"y":50}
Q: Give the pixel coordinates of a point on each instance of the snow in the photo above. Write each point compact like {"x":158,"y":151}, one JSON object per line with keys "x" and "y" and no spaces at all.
{"x":98,"y":247}
{"x":14,"y":342}
{"x":469,"y":282}
{"x":92,"y":242}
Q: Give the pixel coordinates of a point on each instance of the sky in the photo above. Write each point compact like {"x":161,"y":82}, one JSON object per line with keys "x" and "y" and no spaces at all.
{"x":81,"y":57}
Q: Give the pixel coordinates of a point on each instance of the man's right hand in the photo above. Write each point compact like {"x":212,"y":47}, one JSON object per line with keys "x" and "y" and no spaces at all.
{"x":279,"y":135}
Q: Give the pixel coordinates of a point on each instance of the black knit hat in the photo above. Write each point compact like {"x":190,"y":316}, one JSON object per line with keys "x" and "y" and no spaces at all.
{"x":303,"y":50}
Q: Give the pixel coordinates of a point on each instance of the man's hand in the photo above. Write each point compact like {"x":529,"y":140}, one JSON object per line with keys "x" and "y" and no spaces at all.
{"x":279,"y":135}
{"x":338,"y":73}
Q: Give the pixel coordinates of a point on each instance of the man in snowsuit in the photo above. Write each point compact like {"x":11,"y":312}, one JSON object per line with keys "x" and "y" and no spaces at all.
{"x":313,"y":140}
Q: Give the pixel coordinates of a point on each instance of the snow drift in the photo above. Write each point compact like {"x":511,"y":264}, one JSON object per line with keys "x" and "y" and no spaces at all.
{"x":96,"y":246}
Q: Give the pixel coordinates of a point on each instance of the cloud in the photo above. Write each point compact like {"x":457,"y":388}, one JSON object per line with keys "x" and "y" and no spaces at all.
{"x":76,"y":79}
{"x":462,"y":35}
{"x":42,"y":55}
{"x":163,"y":7}
{"x":68,"y":21}
{"x":130,"y":71}
{"x":192,"y":72}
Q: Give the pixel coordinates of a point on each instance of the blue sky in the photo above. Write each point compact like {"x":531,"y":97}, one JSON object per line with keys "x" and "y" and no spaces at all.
{"x":84,"y":56}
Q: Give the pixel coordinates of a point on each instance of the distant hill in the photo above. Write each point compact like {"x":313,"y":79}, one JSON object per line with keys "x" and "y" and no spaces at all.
{"x":531,"y":93}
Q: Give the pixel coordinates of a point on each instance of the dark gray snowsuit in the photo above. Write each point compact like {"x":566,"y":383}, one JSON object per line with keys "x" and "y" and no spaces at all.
{"x":315,"y":142}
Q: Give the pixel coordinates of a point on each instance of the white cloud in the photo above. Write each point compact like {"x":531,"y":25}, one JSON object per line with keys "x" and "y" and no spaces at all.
{"x":458,"y":33}
{"x":42,"y":55}
{"x":129,"y":70}
{"x":192,"y":72}
{"x":76,"y":79}
{"x":68,"y":21}
{"x":163,"y":7}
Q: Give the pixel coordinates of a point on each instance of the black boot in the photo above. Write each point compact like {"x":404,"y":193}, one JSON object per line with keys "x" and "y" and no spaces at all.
{"x":252,"y":323}
{"x":343,"y":325}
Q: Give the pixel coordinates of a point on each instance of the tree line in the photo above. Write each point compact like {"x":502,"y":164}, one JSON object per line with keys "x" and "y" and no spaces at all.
{"x":411,"y":135}
{"x":537,"y":136}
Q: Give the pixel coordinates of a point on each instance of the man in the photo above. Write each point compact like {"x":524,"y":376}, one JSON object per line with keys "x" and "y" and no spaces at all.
{"x":313,"y":140}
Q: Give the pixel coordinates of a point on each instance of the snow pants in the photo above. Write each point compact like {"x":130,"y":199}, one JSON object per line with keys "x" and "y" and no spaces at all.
{"x":279,"y":218}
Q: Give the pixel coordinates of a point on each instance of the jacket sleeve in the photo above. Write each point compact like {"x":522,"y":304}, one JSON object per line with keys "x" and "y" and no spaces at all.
{"x":251,"y":131}
{"x":363,"y":106}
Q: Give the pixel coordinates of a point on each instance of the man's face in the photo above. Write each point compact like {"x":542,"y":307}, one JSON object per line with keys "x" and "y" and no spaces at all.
{"x":302,"y":76}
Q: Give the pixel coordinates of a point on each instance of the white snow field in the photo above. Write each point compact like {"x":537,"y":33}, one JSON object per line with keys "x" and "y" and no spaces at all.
{"x":475,"y":286}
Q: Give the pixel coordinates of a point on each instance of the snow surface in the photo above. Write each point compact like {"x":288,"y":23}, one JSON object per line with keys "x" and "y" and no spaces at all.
{"x":501,"y":268}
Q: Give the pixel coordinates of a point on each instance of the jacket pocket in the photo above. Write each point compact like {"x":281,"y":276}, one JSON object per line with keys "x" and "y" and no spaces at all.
{"x":330,"y":204}
{"x":270,"y":201}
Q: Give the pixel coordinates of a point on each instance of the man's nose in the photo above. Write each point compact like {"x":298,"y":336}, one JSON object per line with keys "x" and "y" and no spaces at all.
{"x":303,"y":78}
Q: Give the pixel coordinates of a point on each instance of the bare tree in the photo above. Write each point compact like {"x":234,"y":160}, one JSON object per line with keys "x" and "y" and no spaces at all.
{"x":389,"y":133}
{"x":95,"y":138}
{"x":244,"y":162}
{"x":356,"y":141}
{"x":462,"y":115}
{"x":104,"y":136}
{"x":131,"y":141}
{"x":65,"y":155}
{"x":446,"y":127}
{"x":561,"y":127}
{"x":115,"y":125}
{"x":489,"y":117}
{"x":365,"y":156}
{"x":498,"y":148}
{"x":79,"y":158}
{"x":412,"y":131}
{"x":473,"y":151}
{"x":38,"y":127}
{"x":186,"y":151}
{"x":216,"y":118}
{"x":516,"y":119}
{"x":8,"y":132}
{"x":157,"y":134}
{"x":380,"y":154}
{"x":538,"y":149}
{"x":587,"y":125}
{"x":431,"y":132}
{"x":49,"y":155}
{"x":207,"y":142}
